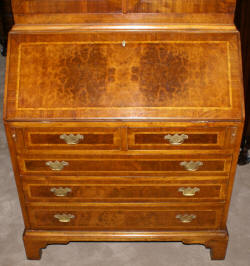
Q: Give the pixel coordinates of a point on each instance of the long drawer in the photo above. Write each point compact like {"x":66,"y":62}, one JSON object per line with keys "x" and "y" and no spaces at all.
{"x":125,"y":217}
{"x":126,"y":165}
{"x":130,"y":191}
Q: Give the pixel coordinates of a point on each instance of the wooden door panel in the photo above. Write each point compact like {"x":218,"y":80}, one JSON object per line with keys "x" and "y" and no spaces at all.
{"x":181,"y":6}
{"x":66,"y":6}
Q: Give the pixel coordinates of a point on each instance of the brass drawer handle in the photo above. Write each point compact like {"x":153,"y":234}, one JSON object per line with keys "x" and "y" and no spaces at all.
{"x":176,"y":139}
{"x":56,"y":165}
{"x":64,"y":217}
{"x":188,"y":191}
{"x":71,"y":139}
{"x":191,"y":166}
{"x":61,"y":192}
{"x":186,"y":218}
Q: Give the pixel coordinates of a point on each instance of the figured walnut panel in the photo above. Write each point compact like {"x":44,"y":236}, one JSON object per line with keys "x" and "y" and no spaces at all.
{"x":131,"y":6}
{"x":66,"y":6}
{"x":125,"y":218}
{"x":180,"y":75}
{"x":154,"y":138}
{"x":123,"y":192}
{"x":151,"y":74}
{"x":94,"y":165}
{"x":94,"y":138}
{"x":181,"y":6}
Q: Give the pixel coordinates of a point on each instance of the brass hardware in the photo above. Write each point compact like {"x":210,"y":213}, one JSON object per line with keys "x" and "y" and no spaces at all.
{"x":188,"y":191}
{"x":61,"y":192}
{"x":176,"y":139}
{"x":186,"y":218}
{"x":191,"y":166}
{"x":56,"y":165}
{"x":64,"y":217}
{"x":71,"y":139}
{"x":14,"y":136}
{"x":123,"y":43}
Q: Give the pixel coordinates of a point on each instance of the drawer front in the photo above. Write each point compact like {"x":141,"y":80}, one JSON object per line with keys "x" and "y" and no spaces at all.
{"x":176,"y":138}
{"x":64,"y":192}
{"x":127,"y":165}
{"x":136,"y":217}
{"x":71,"y":138}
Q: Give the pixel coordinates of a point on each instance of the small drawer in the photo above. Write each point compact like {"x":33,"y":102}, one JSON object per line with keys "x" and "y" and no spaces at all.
{"x":64,"y":192}
{"x":176,"y":138}
{"x":126,"y":165}
{"x":71,"y":138}
{"x":121,"y":217}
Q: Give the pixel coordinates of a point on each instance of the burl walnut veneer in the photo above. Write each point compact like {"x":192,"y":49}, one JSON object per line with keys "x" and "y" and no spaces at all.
{"x":124,"y":120}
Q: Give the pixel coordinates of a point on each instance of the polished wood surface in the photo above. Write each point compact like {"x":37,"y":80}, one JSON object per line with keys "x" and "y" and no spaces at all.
{"x":130,"y":6}
{"x":124,"y":11}
{"x":125,"y":192}
{"x":136,"y":217}
{"x":124,"y":165}
{"x":148,"y":78}
{"x":126,"y":126}
{"x":35,"y":240}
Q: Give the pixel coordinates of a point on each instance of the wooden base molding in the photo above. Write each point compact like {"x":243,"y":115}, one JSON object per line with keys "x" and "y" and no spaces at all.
{"x":34,"y":241}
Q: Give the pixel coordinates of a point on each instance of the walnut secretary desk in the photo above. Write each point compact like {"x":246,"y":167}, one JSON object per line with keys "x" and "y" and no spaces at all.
{"x":124,"y":120}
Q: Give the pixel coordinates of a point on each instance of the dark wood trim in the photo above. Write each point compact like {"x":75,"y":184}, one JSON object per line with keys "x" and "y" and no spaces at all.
{"x":6,"y":23}
{"x":242,"y":21}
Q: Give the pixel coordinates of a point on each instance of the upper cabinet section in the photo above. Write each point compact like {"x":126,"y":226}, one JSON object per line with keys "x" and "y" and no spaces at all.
{"x":124,"y":75}
{"x":180,"y":6}
{"x":123,"y":11}
{"x":66,"y":6}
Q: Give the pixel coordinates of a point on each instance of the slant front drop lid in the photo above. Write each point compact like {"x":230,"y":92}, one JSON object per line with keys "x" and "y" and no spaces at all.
{"x":162,"y":75}
{"x":124,"y":120}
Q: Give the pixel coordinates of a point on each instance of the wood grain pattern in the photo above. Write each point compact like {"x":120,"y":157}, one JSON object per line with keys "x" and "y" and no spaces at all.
{"x":124,"y":192}
{"x":125,"y":165}
{"x":123,"y":136}
{"x":92,"y":138}
{"x":106,"y":75}
{"x":135,"y":217}
{"x":114,"y":11}
{"x":64,"y":6}
{"x":180,"y":6}
{"x":124,"y":73}
{"x":122,"y":85}
{"x":135,"y":6}
{"x":154,"y":138}
{"x":216,"y":241}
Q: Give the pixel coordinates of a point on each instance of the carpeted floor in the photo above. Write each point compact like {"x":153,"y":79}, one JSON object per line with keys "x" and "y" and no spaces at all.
{"x":117,"y":254}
